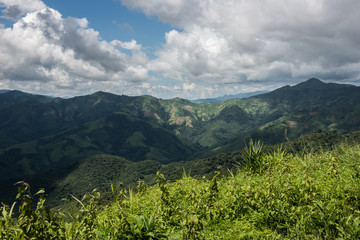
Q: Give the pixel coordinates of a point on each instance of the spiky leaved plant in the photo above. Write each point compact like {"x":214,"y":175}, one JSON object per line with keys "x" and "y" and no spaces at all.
{"x":254,"y":157}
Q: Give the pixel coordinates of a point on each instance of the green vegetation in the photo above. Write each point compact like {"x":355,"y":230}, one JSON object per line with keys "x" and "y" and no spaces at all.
{"x":99,"y":170}
{"x":307,"y":196}
{"x":117,"y":134}
{"x":71,"y":146}
{"x":39,"y":133}
{"x":254,"y":159}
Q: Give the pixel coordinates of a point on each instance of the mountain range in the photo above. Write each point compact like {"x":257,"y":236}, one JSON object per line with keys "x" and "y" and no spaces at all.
{"x":57,"y":142}
{"x":228,"y":97}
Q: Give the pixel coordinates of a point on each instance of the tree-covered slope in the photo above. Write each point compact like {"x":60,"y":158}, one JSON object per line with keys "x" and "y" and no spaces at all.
{"x":206,"y":124}
{"x":100,"y":170}
{"x":11,"y":97}
{"x":38,"y":133}
{"x":116,"y":134}
{"x":312,"y":196}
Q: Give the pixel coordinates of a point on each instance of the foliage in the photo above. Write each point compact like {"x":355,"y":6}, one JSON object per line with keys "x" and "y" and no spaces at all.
{"x":254,"y":157}
{"x":309,"y":196}
{"x":38,"y":223}
{"x":39,"y":134}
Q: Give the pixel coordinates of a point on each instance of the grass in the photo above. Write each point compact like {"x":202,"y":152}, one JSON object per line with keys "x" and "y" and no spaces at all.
{"x":309,"y":196}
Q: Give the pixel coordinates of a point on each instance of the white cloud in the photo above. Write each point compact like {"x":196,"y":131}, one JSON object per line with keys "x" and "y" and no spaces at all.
{"x":63,"y":55}
{"x":189,"y":86}
{"x":132,"y":45}
{"x":258,"y":40}
{"x":218,"y":47}
{"x":16,"y":8}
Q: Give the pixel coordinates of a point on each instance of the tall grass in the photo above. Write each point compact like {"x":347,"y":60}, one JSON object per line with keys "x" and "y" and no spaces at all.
{"x":311,"y":196}
{"x":254,"y":157}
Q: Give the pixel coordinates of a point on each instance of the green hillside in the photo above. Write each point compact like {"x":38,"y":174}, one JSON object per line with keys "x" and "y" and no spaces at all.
{"x":13,"y":97}
{"x":285,"y":196}
{"x":116,"y":134}
{"x":99,"y":171}
{"x":205,"y":124}
{"x":40,"y":136}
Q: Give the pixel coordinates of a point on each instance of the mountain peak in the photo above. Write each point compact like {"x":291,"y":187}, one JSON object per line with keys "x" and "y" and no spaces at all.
{"x":314,"y":80}
{"x":311,"y":83}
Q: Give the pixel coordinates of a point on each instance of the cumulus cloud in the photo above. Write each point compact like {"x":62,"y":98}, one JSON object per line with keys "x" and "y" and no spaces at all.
{"x":132,"y":45}
{"x":235,"y":46}
{"x":264,"y":41}
{"x":66,"y":56}
{"x":189,"y":86}
{"x":14,"y":9}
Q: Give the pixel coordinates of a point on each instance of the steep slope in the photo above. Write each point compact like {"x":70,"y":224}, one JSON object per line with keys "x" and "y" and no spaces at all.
{"x":99,"y":171}
{"x":10,"y":97}
{"x":23,"y":120}
{"x":289,"y":112}
{"x":27,"y":121}
{"x":39,"y":133}
{"x":313,"y":92}
{"x":344,"y":119}
{"x":117,"y":134}
{"x":231,"y":120}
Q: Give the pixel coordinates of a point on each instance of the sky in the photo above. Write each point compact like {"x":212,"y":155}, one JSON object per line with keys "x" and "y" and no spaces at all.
{"x":176,"y":48}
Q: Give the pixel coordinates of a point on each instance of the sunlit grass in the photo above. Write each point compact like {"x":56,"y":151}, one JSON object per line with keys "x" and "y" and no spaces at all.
{"x":309,"y":196}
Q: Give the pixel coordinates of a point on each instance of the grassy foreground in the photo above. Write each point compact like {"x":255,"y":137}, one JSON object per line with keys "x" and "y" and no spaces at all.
{"x":274,"y":196}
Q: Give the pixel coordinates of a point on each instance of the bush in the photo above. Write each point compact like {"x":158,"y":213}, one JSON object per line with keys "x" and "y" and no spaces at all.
{"x":315,"y":196}
{"x":254,"y":157}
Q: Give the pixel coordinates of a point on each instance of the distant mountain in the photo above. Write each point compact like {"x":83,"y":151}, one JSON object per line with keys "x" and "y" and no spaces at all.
{"x":40,"y":134}
{"x":25,"y":117}
{"x":314,"y":83}
{"x":116,"y":134}
{"x":4,"y":91}
{"x":313,"y":92}
{"x":303,"y":108}
{"x":10,"y":97}
{"x":228,"y":97}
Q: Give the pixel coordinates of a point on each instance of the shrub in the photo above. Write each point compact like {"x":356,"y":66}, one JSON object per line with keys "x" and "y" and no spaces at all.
{"x":254,"y":157}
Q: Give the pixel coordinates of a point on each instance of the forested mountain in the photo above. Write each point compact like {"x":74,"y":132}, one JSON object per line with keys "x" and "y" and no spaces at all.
{"x":228,"y":97}
{"x":40,"y":135}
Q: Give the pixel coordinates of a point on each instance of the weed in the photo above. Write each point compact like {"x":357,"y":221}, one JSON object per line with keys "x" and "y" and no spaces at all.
{"x":254,"y":157}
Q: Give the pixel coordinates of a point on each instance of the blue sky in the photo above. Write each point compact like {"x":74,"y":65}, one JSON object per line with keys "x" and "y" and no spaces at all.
{"x":175,"y":48}
{"x":115,"y":21}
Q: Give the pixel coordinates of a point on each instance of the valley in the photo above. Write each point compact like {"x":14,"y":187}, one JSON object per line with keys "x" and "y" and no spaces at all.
{"x":51,"y":142}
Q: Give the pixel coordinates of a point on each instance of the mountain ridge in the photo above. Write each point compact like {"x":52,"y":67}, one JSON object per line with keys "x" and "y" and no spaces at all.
{"x":39,"y":134}
{"x":314,"y":83}
{"x":228,"y":97}
{"x":185,"y":119}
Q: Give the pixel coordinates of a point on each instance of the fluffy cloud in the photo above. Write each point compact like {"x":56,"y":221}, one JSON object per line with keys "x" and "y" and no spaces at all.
{"x":132,"y":45}
{"x":16,"y":8}
{"x":261,"y":41}
{"x":63,"y":56}
{"x":216,"y":48}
